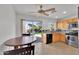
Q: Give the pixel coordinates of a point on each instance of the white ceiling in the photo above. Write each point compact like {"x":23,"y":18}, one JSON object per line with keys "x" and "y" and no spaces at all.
{"x":70,"y":10}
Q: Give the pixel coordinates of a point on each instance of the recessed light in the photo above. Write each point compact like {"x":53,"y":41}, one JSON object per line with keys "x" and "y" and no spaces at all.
{"x":56,"y":17}
{"x":64,"y":12}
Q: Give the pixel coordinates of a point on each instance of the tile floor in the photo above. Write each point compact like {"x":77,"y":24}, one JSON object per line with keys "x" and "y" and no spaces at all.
{"x":51,"y":49}
{"x":58,"y":48}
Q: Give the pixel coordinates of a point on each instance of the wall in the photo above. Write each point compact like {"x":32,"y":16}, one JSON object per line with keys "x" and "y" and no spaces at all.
{"x":47,"y":24}
{"x":7,"y":24}
{"x":18,"y":24}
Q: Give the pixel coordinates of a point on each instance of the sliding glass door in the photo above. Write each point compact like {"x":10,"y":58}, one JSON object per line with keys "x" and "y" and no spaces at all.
{"x":31,"y":27}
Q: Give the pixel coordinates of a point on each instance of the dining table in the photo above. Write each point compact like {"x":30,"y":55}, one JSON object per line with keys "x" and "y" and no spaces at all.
{"x":19,"y":42}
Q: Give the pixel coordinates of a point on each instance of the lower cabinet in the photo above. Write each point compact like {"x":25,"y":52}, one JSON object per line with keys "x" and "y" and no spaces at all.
{"x":53,"y":38}
{"x":58,"y":37}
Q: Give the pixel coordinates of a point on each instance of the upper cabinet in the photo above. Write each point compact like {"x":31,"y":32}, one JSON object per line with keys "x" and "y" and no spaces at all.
{"x":71,"y":23}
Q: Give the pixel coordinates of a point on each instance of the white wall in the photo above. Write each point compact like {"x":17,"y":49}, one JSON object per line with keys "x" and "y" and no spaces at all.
{"x":18,"y":24}
{"x":7,"y":23}
{"x":47,"y":24}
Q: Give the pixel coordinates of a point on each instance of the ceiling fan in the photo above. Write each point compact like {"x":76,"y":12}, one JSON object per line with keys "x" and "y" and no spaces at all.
{"x":45,"y":12}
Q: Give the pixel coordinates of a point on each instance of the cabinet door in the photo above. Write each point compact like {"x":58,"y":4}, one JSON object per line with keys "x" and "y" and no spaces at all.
{"x":44,"y":40}
{"x":62,"y":37}
{"x":56,"y":37}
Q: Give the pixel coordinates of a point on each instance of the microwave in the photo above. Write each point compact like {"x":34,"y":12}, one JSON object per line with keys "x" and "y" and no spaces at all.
{"x":73,"y":25}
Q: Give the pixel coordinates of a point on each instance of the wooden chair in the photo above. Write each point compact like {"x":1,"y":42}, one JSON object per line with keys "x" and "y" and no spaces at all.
{"x":21,"y":51}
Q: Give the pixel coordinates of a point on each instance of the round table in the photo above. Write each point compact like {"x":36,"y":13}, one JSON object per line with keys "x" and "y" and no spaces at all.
{"x":20,"y":41}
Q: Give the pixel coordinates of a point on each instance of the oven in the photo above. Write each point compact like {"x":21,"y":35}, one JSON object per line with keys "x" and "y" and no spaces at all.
{"x":72,"y":40}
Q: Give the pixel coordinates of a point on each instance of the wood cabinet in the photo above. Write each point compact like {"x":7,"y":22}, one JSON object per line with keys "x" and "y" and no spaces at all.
{"x":43,"y":37}
{"x":53,"y":38}
{"x":64,"y":24}
{"x":57,"y":37}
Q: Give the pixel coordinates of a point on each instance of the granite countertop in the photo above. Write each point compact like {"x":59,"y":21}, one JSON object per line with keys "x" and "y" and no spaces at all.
{"x":75,"y":34}
{"x":49,"y":32}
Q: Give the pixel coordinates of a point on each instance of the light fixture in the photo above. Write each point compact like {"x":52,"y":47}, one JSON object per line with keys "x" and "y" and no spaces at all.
{"x":56,"y":17}
{"x":64,"y":12}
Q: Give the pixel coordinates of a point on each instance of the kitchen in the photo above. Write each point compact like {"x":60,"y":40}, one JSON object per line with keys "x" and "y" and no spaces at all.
{"x":66,"y":31}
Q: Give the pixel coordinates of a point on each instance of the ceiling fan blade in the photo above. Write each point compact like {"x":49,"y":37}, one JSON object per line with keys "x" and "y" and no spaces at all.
{"x":45,"y":13}
{"x":52,"y":9}
{"x":32,"y":12}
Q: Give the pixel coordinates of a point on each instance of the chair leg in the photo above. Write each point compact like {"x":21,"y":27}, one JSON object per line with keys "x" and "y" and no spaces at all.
{"x":29,"y":45}
{"x":15,"y":47}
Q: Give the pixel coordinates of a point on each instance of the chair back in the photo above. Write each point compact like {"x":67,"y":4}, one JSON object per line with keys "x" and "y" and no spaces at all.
{"x":25,"y":34}
{"x":21,"y":51}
